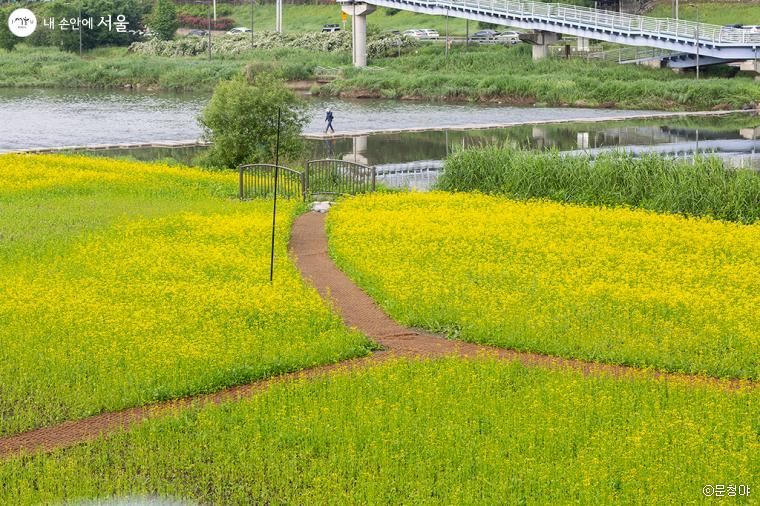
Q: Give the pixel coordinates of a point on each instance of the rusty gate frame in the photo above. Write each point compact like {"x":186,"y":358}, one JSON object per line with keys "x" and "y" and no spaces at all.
{"x":291,"y":182}
{"x":365,"y":179}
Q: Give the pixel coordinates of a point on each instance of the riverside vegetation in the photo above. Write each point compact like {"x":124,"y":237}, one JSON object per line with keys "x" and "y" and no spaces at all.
{"x":494,"y":74}
{"x":703,"y":188}
{"x":126,"y":283}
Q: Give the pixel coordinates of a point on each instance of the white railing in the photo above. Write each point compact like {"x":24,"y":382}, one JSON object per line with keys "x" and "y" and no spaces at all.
{"x":629,"y":54}
{"x":630,"y":24}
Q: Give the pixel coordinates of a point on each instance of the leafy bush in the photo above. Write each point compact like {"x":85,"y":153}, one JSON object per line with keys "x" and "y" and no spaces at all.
{"x":377,"y":45}
{"x":655,"y":182}
{"x":163,"y":21}
{"x":202,"y":22}
{"x":241,"y":121}
{"x":7,"y":39}
{"x":68,"y":40}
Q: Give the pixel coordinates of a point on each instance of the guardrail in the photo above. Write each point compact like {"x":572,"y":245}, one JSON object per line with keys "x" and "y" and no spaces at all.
{"x":597,"y":19}
{"x":630,"y":54}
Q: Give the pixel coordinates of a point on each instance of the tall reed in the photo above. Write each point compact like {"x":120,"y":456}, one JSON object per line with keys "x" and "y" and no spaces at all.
{"x":705,"y":187}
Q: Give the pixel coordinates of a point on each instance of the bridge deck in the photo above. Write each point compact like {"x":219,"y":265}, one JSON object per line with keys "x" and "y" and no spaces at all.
{"x":677,"y":35}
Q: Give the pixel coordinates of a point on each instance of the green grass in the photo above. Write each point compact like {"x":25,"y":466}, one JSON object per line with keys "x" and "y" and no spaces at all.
{"x":509,"y":75}
{"x":434,"y":432}
{"x":717,"y":13}
{"x":704,"y":188}
{"x":612,"y":285}
{"x":126,"y":283}
{"x":309,"y":18}
{"x":116,"y":68}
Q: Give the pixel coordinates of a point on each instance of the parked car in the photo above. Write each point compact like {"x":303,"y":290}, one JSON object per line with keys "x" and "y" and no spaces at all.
{"x":239,"y":30}
{"x":484,"y":35}
{"x":197,"y":33}
{"x":330,"y":28}
{"x":417,"y":34}
{"x":508,"y":38}
{"x":430,"y":34}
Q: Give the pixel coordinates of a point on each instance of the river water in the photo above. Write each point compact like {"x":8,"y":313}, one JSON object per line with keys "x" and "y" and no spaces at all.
{"x":48,"y":118}
{"x":40,"y":118}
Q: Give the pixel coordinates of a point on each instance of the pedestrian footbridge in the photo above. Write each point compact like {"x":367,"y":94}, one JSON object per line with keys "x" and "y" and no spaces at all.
{"x":549,"y":21}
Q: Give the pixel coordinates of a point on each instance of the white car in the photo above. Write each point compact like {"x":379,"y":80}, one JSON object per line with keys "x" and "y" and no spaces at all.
{"x":430,"y":34}
{"x":417,"y":34}
{"x":239,"y":30}
{"x":508,"y":38}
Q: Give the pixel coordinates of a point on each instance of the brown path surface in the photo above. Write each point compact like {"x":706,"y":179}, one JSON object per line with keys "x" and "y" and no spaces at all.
{"x":309,"y":247}
{"x":77,"y":431}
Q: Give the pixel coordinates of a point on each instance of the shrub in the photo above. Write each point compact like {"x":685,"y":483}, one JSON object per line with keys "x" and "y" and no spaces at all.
{"x":241,"y":121}
{"x":202,"y":22}
{"x":68,"y":40}
{"x":7,"y":39}
{"x":164,"y":21}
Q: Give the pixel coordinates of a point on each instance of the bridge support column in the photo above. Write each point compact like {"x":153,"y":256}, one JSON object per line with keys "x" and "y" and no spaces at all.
{"x":540,"y":42}
{"x":358,"y":13}
{"x":584,"y":44}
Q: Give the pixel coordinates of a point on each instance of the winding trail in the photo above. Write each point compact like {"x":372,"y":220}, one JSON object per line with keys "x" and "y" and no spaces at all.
{"x":308,"y":246}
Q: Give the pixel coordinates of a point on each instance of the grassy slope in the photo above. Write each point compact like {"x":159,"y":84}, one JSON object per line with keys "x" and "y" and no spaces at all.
{"x":718,"y":13}
{"x":311,"y":18}
{"x":124,"y":283}
{"x":614,"y":285}
{"x":510,"y":75}
{"x":440,"y":432}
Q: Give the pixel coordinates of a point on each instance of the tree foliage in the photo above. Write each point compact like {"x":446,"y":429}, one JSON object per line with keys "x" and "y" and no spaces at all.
{"x":7,"y":39}
{"x":95,"y":36}
{"x":164,"y":20}
{"x":241,"y":121}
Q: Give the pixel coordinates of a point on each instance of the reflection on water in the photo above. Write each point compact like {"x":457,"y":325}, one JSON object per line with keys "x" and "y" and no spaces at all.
{"x":415,"y":160}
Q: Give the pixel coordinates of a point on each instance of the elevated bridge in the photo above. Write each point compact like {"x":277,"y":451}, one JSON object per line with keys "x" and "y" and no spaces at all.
{"x":549,"y":21}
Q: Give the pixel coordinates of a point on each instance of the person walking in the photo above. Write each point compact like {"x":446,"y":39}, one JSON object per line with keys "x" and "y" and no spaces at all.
{"x":329,"y":120}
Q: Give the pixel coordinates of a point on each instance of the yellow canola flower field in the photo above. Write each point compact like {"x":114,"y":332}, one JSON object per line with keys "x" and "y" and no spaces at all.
{"x":445,"y":431}
{"x":124,"y":283}
{"x":612,"y":285}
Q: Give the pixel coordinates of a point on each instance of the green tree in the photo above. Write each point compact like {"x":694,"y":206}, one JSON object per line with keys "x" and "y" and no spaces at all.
{"x":164,"y":21}
{"x":7,"y":39}
{"x":96,"y":36}
{"x":241,"y":121}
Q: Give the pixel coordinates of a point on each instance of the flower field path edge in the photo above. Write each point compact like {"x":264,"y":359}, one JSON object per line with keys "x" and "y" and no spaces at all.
{"x":308,"y":245}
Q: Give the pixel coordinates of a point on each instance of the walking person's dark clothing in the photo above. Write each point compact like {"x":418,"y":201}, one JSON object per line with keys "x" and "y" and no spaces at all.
{"x":329,"y":120}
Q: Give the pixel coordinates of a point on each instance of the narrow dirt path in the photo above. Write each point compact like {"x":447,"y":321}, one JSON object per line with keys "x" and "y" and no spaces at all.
{"x":78,"y":431}
{"x":308,"y":245}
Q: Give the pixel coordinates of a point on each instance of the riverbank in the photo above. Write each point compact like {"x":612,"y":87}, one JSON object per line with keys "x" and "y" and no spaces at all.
{"x":498,"y":75}
{"x":509,"y":76}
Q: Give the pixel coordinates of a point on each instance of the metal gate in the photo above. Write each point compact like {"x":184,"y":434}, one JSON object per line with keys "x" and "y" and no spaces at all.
{"x":257,"y":180}
{"x":326,"y":177}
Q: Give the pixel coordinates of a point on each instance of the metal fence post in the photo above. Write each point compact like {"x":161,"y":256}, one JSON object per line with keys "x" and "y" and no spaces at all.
{"x":241,"y":182}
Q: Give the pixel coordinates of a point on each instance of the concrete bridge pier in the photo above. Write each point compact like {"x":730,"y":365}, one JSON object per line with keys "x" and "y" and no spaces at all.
{"x":358,"y":155}
{"x":358,"y":13}
{"x":584,"y":45}
{"x":540,"y":41}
